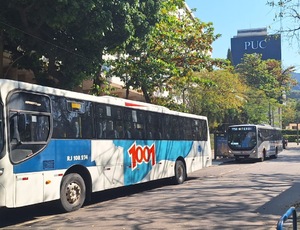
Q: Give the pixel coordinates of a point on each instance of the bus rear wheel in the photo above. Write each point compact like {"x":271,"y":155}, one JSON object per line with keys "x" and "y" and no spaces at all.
{"x":72,"y":192}
{"x":180,"y":172}
{"x":276,"y":153}
{"x":263,"y":157}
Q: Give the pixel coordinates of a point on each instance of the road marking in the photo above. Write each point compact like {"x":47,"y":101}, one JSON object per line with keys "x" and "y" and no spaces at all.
{"x":34,"y":221}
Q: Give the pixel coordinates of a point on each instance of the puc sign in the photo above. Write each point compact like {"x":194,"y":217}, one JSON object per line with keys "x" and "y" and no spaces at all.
{"x":254,"y":45}
{"x":268,"y":45}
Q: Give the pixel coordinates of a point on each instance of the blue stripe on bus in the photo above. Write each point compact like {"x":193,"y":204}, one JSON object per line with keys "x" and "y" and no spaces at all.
{"x":68,"y":153}
{"x":71,"y":152}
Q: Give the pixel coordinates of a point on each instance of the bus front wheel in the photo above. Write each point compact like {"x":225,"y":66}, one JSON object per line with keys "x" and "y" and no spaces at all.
{"x":72,"y":192}
{"x":180,"y":172}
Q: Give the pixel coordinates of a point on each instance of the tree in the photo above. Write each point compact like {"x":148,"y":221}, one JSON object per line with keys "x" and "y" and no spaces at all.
{"x":289,"y":112}
{"x":63,"y":41}
{"x":257,"y":109}
{"x":229,"y":56}
{"x":218,"y":93}
{"x":269,"y":84}
{"x":177,"y":46}
{"x":287,"y":13}
{"x":255,"y":73}
{"x":266,"y":75}
{"x":284,"y":81}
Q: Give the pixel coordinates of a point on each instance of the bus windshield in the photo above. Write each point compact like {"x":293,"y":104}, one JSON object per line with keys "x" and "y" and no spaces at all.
{"x":242,"y":138}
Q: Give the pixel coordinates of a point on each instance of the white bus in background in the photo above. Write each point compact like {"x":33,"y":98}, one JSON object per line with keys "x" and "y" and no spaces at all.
{"x":248,"y":141}
{"x":61,"y":145}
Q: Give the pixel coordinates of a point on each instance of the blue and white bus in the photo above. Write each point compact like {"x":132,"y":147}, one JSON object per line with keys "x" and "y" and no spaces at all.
{"x":62,"y":145}
{"x":248,"y":141}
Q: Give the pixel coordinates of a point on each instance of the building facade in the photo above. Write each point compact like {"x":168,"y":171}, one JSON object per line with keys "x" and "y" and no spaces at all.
{"x":251,"y":41}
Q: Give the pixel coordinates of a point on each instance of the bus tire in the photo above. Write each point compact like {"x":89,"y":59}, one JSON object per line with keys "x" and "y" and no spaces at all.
{"x":276,"y":154}
{"x":72,"y":192}
{"x":263,"y":157}
{"x":180,"y":172}
{"x":238,"y":160}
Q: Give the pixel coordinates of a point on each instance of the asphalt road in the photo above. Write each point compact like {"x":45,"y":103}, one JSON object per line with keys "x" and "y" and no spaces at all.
{"x":228,"y":195}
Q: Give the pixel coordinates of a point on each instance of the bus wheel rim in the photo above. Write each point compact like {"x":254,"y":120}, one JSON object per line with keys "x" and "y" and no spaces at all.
{"x":73,"y":192}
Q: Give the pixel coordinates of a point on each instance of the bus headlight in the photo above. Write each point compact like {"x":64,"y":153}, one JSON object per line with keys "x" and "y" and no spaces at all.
{"x":1,"y":171}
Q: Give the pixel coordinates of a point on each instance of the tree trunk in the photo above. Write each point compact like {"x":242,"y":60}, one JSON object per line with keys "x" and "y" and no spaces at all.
{"x":146,"y":95}
{"x":127,"y":92}
{"x":1,"y":53}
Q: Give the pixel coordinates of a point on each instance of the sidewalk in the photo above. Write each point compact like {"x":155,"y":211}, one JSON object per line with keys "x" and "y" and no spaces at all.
{"x":290,"y":194}
{"x":293,"y":145}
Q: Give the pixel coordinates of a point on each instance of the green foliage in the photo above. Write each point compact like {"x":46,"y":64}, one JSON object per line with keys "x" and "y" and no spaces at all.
{"x":289,"y":131}
{"x":289,"y":112}
{"x":255,"y":73}
{"x":215,"y":94}
{"x":290,"y":135}
{"x":70,"y":37}
{"x":256,"y":110}
{"x":229,"y":56}
{"x":269,"y":84}
{"x":178,"y":45}
{"x":104,"y":88}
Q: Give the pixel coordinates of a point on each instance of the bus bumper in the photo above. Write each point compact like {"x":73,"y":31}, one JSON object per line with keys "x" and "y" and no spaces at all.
{"x":241,"y":157}
{"x":245,"y":155}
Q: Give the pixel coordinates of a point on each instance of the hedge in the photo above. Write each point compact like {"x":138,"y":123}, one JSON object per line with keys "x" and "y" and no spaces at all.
{"x":290,"y":135}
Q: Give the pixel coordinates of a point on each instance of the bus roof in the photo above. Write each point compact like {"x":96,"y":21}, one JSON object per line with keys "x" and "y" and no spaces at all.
{"x":264,"y":126}
{"x":6,"y":86}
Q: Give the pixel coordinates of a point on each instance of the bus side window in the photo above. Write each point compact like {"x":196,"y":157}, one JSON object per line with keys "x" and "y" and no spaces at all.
{"x":138,"y":124}
{"x":29,"y":133}
{"x":150,"y":126}
{"x":158,"y":126}
{"x":188,"y":129}
{"x":127,"y":130}
{"x":196,"y":130}
{"x":72,"y":126}
{"x":153,"y":126}
{"x":87,"y":121}
{"x":108,"y":122}
{"x":117,"y":115}
{"x":14,"y":131}
{"x":174,"y":132}
{"x":29,"y":128}
{"x":79,"y":119}
{"x":110,"y":131}
{"x":204,"y":131}
{"x":128,"y":124}
{"x":166,"y":127}
{"x":100,"y":123}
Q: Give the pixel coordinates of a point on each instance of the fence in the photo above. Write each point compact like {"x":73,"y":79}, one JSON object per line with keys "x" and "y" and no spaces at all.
{"x":290,"y":212}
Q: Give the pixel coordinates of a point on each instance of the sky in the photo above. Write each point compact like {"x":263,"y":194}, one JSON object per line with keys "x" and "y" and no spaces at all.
{"x":229,"y":16}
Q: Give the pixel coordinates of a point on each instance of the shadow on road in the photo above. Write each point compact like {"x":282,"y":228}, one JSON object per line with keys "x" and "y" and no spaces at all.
{"x":279,"y":204}
{"x":15,"y":216}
